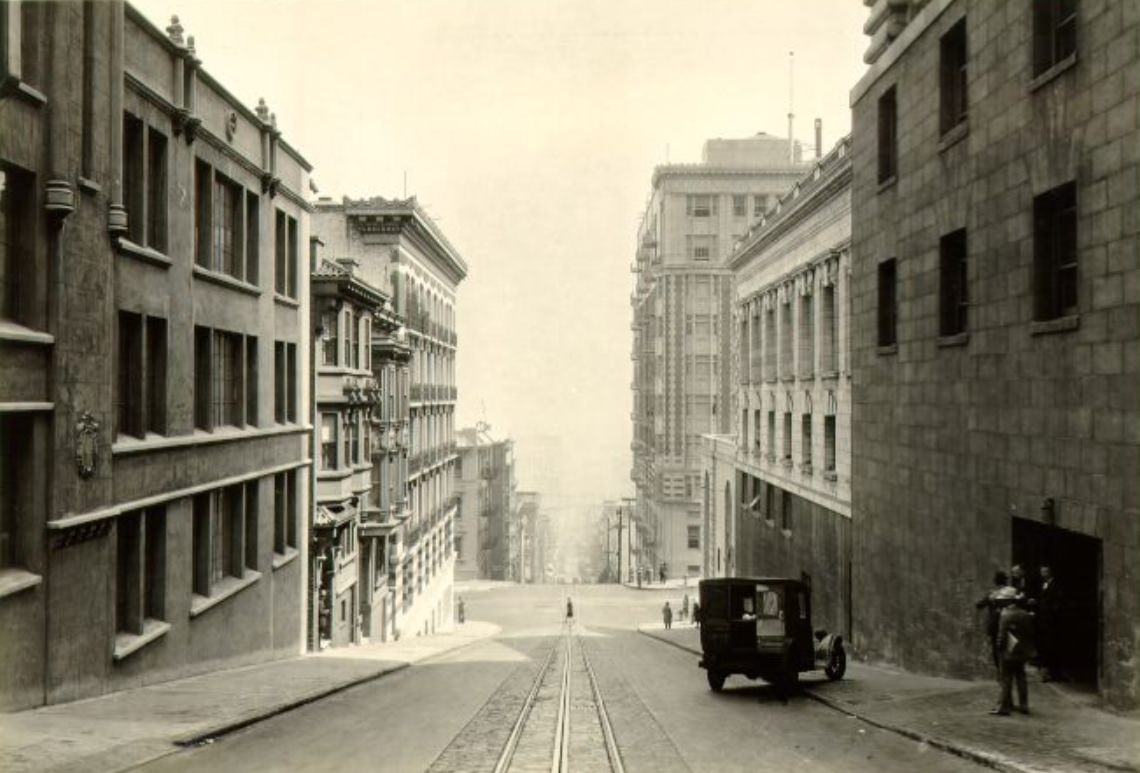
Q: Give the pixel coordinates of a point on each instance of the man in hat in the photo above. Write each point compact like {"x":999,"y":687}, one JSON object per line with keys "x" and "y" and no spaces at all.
{"x":993,"y":612}
{"x":1016,"y":645}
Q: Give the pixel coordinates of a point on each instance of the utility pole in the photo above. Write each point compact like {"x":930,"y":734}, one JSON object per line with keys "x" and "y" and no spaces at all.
{"x":619,"y":547}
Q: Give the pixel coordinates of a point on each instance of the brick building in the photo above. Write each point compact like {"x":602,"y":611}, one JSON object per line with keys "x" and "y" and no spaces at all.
{"x":792,"y":407}
{"x":397,"y":249}
{"x":681,"y":306}
{"x":995,"y":418}
{"x":152,"y":329}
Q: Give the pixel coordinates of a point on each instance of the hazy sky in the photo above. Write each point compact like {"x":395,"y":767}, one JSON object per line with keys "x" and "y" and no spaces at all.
{"x":529,"y":129}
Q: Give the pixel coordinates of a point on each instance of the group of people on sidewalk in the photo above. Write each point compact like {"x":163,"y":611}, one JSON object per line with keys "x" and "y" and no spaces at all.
{"x":667,"y":612}
{"x":1021,"y":629}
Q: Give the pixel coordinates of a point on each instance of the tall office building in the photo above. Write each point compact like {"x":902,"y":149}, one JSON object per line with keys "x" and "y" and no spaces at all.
{"x":682,"y":307}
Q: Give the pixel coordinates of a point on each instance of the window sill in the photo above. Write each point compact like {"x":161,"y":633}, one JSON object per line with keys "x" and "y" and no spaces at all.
{"x":787,"y":379}
{"x":225,"y":280}
{"x":14,"y":580}
{"x":25,"y":92}
{"x":806,"y":376}
{"x":788,"y":462}
{"x":958,"y":339}
{"x":888,"y":183}
{"x":17,"y":333}
{"x":830,"y":475}
{"x":829,"y":375}
{"x":954,"y":135}
{"x":89,"y":186}
{"x":1058,"y":325}
{"x":787,"y":533}
{"x":769,"y":523}
{"x":337,"y":474}
{"x":127,"y":643}
{"x":806,"y":468}
{"x":889,"y":349}
{"x":153,"y":442}
{"x":284,"y":559}
{"x":223,"y":589}
{"x":146,"y":254}
{"x":1053,"y":72}
{"x":285,"y":300}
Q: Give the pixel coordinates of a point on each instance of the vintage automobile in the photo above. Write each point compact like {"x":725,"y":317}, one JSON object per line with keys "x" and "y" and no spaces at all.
{"x":761,"y":627}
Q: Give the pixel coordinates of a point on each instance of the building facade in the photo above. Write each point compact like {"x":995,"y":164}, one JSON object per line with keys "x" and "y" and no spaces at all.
{"x":996,"y":296}
{"x":399,"y":250}
{"x":682,"y":306}
{"x":471,"y":488}
{"x":792,"y":405}
{"x":152,"y":339}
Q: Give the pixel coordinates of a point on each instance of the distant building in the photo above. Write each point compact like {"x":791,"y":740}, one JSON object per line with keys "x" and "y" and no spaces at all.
{"x":995,"y":416}
{"x":153,"y":341}
{"x":535,"y":533}
{"x":471,"y":488}
{"x":485,"y":480}
{"x":682,"y":306}
{"x":398,"y":249}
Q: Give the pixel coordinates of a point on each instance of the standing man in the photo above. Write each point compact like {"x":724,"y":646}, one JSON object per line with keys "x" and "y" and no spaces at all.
{"x":685,"y":608}
{"x":1050,"y":626}
{"x":993,"y":612}
{"x":667,"y":615}
{"x":1016,"y":644}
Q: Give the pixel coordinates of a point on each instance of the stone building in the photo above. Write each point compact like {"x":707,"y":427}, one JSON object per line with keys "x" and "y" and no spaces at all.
{"x":152,"y":341}
{"x":400,"y":251}
{"x":360,"y":376}
{"x":792,"y":406}
{"x":485,"y":480}
{"x":681,"y":305}
{"x":471,"y":488}
{"x":996,"y":314}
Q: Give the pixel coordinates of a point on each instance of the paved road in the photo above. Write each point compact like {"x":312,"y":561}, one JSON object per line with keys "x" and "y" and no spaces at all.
{"x":455,"y":713}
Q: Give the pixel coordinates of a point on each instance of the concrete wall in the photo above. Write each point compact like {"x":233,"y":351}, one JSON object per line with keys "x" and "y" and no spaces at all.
{"x":953,"y":442}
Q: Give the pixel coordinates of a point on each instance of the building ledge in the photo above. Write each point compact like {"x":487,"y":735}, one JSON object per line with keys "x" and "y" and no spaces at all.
{"x":887,"y":184}
{"x":1053,"y":72}
{"x":341,"y":473}
{"x":889,"y":349}
{"x":127,"y":643}
{"x":284,"y":559}
{"x":223,"y":589}
{"x":285,"y":300}
{"x":954,"y":135}
{"x":16,"y":333}
{"x":1058,"y":325}
{"x":27,"y":93}
{"x":89,"y":186}
{"x":25,"y":407}
{"x":153,"y":442}
{"x":958,"y":339}
{"x":146,"y":254}
{"x":225,"y":280}
{"x":829,"y":375}
{"x":14,"y":580}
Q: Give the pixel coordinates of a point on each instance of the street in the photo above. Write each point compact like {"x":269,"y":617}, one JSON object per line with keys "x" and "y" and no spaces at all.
{"x":457,"y":712}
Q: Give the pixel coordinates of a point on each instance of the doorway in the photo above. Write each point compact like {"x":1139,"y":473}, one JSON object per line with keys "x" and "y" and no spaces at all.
{"x":1076,"y":563}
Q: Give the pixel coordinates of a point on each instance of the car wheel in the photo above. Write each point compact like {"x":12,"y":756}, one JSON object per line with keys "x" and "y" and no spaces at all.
{"x":837,"y":664}
{"x":716,"y":680}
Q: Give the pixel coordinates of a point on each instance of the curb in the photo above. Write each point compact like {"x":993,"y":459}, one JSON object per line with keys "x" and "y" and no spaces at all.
{"x":231,"y":727}
{"x":981,"y":758}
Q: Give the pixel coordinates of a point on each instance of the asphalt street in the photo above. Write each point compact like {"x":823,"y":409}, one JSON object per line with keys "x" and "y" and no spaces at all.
{"x":455,"y":712}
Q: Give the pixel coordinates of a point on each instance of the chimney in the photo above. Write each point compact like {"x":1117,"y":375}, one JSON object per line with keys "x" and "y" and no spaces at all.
{"x":818,"y":138}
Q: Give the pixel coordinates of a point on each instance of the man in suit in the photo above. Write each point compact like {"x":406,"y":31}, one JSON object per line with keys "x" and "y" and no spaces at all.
{"x":993,"y":611}
{"x":1050,"y":625}
{"x":1016,"y":643}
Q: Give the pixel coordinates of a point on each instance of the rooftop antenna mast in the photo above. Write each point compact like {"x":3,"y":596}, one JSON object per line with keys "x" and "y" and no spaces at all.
{"x":791,"y":103}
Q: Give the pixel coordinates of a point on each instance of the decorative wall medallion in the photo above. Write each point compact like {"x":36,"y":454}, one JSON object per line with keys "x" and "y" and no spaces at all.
{"x":231,"y":126}
{"x":86,"y":444}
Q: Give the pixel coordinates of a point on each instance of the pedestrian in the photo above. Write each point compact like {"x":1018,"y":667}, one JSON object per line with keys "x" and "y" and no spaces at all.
{"x":685,"y":608}
{"x":1051,"y":629}
{"x":1017,"y":646}
{"x":667,"y":615}
{"x":569,"y":610}
{"x":697,"y":614}
{"x":993,"y":612}
{"x":462,"y":614}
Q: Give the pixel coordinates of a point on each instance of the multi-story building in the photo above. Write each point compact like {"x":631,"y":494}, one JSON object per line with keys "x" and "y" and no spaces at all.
{"x":353,"y":428}
{"x":792,"y":368}
{"x":535,"y":528}
{"x":471,"y":489}
{"x":623,"y":548}
{"x":152,"y":340}
{"x":996,"y":295}
{"x":399,"y":250}
{"x":682,"y":306}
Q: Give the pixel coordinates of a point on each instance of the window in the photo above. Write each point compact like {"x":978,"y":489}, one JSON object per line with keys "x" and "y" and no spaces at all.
{"x":744,"y":428}
{"x":1055,"y":252}
{"x":140,"y":381}
{"x":694,"y":534}
{"x":756,"y":429}
{"x":888,"y":136}
{"x":953,"y":288}
{"x":352,"y":340}
{"x":32,"y":39}
{"x":1054,"y":32}
{"x":759,"y":204}
{"x":786,"y":339}
{"x":807,"y":336}
{"x":284,"y":382}
{"x":225,"y":520}
{"x":459,"y":547}
{"x":702,"y":247}
{"x":786,"y":510}
{"x":953,"y":76}
{"x":772,"y":433}
{"x":739,"y":206}
{"x":787,"y":436}
{"x":284,"y":511}
{"x":285,"y":251}
{"x":700,"y":205}
{"x":744,"y":370}
{"x":328,"y":441}
{"x":770,"y":343}
{"x":805,"y":439}
{"x":140,"y":567}
{"x":829,"y":354}
{"x":888,"y":303}
{"x":17,"y":210}
{"x":225,"y":372}
{"x":226,"y":227}
{"x":829,"y":443}
{"x":352,"y":442}
{"x":19,"y":443}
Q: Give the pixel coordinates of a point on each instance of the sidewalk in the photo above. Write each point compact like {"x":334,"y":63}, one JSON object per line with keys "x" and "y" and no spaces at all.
{"x":128,"y":728}
{"x":1064,"y":732}
{"x":680,"y":583}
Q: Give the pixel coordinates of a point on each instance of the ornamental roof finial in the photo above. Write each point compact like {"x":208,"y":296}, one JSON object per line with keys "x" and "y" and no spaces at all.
{"x":262,"y":110}
{"x":174,"y":31}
